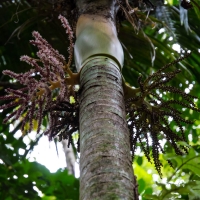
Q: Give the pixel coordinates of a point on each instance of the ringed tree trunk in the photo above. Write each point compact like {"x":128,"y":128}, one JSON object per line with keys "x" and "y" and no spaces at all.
{"x":105,"y":164}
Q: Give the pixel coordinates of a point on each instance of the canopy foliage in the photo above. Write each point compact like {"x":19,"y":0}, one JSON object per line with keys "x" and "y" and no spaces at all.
{"x":169,"y":25}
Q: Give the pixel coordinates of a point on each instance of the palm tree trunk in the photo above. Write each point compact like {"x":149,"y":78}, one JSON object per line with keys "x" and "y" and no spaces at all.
{"x":105,"y":164}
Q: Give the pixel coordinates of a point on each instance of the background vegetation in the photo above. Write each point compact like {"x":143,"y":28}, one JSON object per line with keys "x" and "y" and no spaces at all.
{"x":173,"y":27}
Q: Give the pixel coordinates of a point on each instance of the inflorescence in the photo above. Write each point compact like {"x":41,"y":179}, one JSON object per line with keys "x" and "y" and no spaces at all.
{"x":49,"y":86}
{"x":148,"y":115}
{"x":47,"y":90}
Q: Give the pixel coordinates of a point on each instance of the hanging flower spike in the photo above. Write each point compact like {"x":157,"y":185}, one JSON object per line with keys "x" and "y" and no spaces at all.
{"x":69,"y":31}
{"x":148,"y":114}
{"x":34,"y":101}
{"x":45,"y":91}
{"x":48,"y":55}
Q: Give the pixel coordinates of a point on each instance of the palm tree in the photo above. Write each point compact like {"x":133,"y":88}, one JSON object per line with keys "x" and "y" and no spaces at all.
{"x":106,"y":165}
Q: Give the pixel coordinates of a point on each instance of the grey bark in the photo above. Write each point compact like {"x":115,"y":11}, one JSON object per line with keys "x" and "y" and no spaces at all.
{"x":106,"y":171}
{"x":69,"y":156}
{"x":105,"y":163}
{"x":106,"y":8}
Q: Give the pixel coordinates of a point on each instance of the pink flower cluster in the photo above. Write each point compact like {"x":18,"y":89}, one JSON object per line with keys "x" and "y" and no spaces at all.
{"x":66,"y":25}
{"x":44,"y":84}
{"x":69,"y":31}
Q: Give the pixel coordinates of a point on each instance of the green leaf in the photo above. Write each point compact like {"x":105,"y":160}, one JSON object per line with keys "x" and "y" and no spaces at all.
{"x":139,"y":160}
{"x":48,"y":198}
{"x":150,"y":196}
{"x":192,"y":188}
{"x":191,"y":161}
{"x":196,"y":7}
{"x":142,"y":185}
